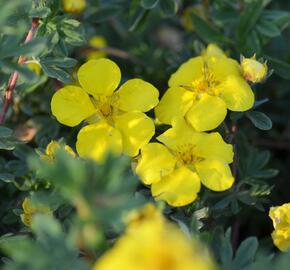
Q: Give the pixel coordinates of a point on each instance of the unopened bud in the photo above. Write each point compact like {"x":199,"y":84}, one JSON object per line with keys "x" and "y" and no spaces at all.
{"x":253,"y":70}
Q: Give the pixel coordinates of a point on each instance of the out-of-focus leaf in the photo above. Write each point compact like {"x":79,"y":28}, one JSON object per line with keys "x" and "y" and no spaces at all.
{"x":280,"y":67}
{"x":149,"y":4}
{"x":245,"y":254}
{"x":206,"y":31}
{"x":40,"y":12}
{"x":268,"y":29}
{"x":57,"y":73}
{"x":168,"y":7}
{"x":259,"y":120}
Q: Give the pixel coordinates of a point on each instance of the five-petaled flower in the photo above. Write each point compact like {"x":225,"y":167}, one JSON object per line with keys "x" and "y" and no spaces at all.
{"x":117,"y":122}
{"x":186,"y":158}
{"x":280,"y":216}
{"x":153,"y":243}
{"x":202,"y":89}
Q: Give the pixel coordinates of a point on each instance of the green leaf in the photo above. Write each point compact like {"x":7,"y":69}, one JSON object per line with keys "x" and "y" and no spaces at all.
{"x":6,"y":177}
{"x":57,"y":73}
{"x":168,"y":7}
{"x":138,"y":18}
{"x":206,"y":31}
{"x":31,"y":48}
{"x":269,"y":173}
{"x":226,"y":251}
{"x":268,"y":29}
{"x":245,"y":254}
{"x":5,"y":132}
{"x":280,"y":67}
{"x":149,"y":4}
{"x":104,"y":13}
{"x":260,"y":120}
{"x":249,"y":18}
{"x":65,"y":62}
{"x":40,"y":12}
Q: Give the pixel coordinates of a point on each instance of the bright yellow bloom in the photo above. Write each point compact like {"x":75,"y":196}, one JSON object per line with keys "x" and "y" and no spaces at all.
{"x":73,"y":6}
{"x":117,"y":122}
{"x":97,"y":43}
{"x":253,"y":70}
{"x":30,"y":209}
{"x":280,"y":216}
{"x":202,"y":90}
{"x":155,"y":244}
{"x":186,"y":158}
{"x":51,"y":149}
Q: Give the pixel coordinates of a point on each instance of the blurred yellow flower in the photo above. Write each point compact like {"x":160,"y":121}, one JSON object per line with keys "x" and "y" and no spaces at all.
{"x":253,"y":70}
{"x":155,"y":244}
{"x":203,"y":88}
{"x":35,"y":67}
{"x":186,"y":17}
{"x":52,"y":147}
{"x":117,"y":121}
{"x":97,"y":43}
{"x":280,"y":216}
{"x":73,"y":6}
{"x":30,"y":209}
{"x":186,"y":158}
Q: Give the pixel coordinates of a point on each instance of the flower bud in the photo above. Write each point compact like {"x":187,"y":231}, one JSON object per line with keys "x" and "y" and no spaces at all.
{"x":253,"y":70}
{"x":73,"y":6}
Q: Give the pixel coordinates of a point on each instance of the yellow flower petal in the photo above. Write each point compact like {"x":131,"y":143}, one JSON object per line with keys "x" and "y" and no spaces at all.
{"x":223,"y":67}
{"x":213,"y":52}
{"x":178,"y":188}
{"x":137,"y":95}
{"x":215,"y":175}
{"x":281,"y":239}
{"x":175,"y":103}
{"x":187,"y":72}
{"x":213,"y":146}
{"x":71,"y":105}
{"x":155,"y":162}
{"x":137,"y":129}
{"x":237,"y":94}
{"x":207,"y":113}
{"x":180,"y":134}
{"x":99,"y":77}
{"x":97,"y":140}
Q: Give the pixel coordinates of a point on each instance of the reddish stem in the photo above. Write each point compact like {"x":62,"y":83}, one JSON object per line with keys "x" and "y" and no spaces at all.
{"x":14,"y":76}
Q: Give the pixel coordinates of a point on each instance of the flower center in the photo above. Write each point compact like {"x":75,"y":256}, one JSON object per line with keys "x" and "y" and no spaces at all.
{"x":107,"y":108}
{"x":207,"y":83}
{"x":186,"y":154}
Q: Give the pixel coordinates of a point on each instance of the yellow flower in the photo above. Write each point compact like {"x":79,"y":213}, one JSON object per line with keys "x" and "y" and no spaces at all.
{"x":52,"y":147}
{"x":155,"y":244}
{"x":202,"y":90}
{"x":280,"y":216}
{"x":117,"y":122}
{"x":35,"y":67}
{"x":30,"y":209}
{"x":186,"y":158}
{"x":253,"y":70}
{"x":97,"y":42}
{"x":74,"y":6}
